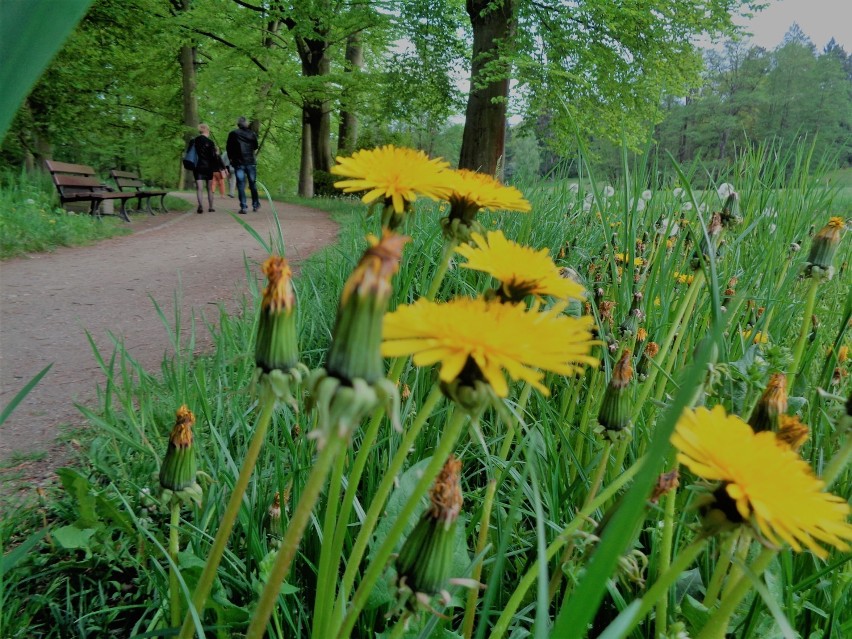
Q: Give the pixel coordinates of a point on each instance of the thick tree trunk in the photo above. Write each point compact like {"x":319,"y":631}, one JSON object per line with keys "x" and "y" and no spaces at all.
{"x":347,"y":134}
{"x":484,"y":137}
{"x":321,"y":123}
{"x":306,"y":165}
{"x":190,"y":101}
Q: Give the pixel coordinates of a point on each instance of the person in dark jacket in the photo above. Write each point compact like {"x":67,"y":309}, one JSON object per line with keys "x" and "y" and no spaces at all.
{"x":207,"y":164}
{"x":241,"y":148}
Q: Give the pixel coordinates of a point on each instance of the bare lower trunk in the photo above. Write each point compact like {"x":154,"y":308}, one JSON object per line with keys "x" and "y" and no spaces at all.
{"x":190,"y":101}
{"x":321,"y":124}
{"x":484,"y":137}
{"x":306,"y":166}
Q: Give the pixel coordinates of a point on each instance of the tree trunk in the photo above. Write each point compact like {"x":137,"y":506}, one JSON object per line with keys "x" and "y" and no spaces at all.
{"x":306,"y":165}
{"x":190,"y":101}
{"x":347,"y":134}
{"x":484,"y":137}
{"x":321,"y":123}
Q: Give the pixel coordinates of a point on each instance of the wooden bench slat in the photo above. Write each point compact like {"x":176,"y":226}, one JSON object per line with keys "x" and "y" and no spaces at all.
{"x":65,"y":167}
{"x":130,"y":180}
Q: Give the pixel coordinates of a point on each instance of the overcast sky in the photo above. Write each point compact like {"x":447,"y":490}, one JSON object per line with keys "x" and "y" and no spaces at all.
{"x":819,"y":19}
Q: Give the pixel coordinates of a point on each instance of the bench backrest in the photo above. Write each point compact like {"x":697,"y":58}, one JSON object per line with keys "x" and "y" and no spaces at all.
{"x":127,"y":179}
{"x":73,"y":180}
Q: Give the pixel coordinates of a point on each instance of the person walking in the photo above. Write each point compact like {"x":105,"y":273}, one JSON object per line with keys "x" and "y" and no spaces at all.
{"x":219,"y":176}
{"x":208,"y":163}
{"x":241,"y":149}
{"x":232,"y":179}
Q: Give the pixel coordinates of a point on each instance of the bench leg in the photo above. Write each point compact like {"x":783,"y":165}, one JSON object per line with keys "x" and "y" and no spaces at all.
{"x":162,"y":204}
{"x":148,"y":204}
{"x":95,"y":209}
{"x":123,"y":211}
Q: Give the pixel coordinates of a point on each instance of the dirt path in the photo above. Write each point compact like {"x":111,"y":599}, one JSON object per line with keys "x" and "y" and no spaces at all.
{"x":49,"y":300}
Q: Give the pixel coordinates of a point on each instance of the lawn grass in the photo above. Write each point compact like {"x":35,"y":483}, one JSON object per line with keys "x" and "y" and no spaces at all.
{"x":104,"y":569}
{"x":31,"y":220}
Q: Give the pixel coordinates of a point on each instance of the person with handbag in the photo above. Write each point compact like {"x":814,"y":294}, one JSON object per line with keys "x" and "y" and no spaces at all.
{"x":220,"y":176}
{"x":206,"y":164}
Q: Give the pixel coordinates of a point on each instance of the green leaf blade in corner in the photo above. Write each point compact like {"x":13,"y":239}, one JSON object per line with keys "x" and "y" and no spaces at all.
{"x":31,"y":33}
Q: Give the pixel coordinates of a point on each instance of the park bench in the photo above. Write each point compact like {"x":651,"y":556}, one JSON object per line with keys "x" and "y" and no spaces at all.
{"x":79,"y":183}
{"x":128,"y":182}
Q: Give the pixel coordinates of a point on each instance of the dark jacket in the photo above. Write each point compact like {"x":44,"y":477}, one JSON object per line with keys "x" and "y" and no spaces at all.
{"x":208,"y":159}
{"x":241,"y":147}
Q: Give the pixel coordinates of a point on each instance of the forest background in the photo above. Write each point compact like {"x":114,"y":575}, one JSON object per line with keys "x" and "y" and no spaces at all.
{"x":129,"y":87}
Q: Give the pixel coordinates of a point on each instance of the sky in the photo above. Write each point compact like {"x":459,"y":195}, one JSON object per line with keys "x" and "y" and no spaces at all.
{"x":819,"y":19}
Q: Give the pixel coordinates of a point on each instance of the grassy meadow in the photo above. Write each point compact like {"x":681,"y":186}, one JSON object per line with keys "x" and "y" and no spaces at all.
{"x":561,"y":525}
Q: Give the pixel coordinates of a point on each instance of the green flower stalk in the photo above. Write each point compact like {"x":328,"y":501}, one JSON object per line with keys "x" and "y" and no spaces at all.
{"x":614,"y":414}
{"x":771,"y":405}
{"x":820,"y":264}
{"x":425,"y":561}
{"x":353,"y":383}
{"x":178,"y":470}
{"x":276,"y":350}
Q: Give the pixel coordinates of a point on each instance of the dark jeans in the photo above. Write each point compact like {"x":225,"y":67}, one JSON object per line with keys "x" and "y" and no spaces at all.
{"x":248,"y":171}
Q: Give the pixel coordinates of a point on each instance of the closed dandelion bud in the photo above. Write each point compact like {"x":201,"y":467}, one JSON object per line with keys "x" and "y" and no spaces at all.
{"x":771,"y":405}
{"x":710,"y":242}
{"x":823,"y":248}
{"x":644,"y":366}
{"x":425,"y":561}
{"x":814,"y":328}
{"x":730,"y":214}
{"x":614,"y":414}
{"x":792,"y":432}
{"x":178,"y":471}
{"x":277,"y":346}
{"x":275,"y":516}
{"x":354,"y":351}
{"x":666,"y":482}
{"x":353,"y":382}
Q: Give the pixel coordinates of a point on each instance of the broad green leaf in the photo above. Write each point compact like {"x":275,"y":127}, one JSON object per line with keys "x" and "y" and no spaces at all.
{"x":73,"y":538}
{"x":31,"y":32}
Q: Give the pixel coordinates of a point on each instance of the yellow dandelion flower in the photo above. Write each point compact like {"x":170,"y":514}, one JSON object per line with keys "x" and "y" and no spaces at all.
{"x":472,"y":190}
{"x":480,"y":339}
{"x":522,"y":270}
{"x":763,"y":483}
{"x":621,"y":258}
{"x":759,"y":337}
{"x":684,"y":278}
{"x":396,"y":174}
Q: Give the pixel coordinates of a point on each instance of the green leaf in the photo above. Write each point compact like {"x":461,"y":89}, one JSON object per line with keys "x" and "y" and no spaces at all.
{"x":73,"y":538}
{"x":694,"y":613}
{"x":7,"y":410}
{"x":14,"y":556}
{"x":31,"y":32}
{"x":80,"y":490}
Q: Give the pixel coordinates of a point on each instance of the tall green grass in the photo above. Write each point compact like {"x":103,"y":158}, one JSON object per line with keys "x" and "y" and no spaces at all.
{"x":103,"y":570}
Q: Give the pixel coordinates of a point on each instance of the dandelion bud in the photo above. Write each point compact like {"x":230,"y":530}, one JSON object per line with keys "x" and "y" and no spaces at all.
{"x":666,"y":482}
{"x":650,"y":352}
{"x":353,"y":383}
{"x":178,"y":471}
{"x":823,"y":248}
{"x":426,"y":558}
{"x":771,"y":405}
{"x":710,"y":242}
{"x":731,"y":210}
{"x":792,"y":432}
{"x":354,"y":351}
{"x":274,"y":512}
{"x":814,"y":328}
{"x":614,"y":414}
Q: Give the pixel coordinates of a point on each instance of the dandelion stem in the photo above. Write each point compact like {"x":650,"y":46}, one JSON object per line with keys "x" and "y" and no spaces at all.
{"x":293,"y":536}
{"x":580,"y":518}
{"x":726,"y":553}
{"x":377,"y":504}
{"x":481,"y":542}
{"x":718,"y":623}
{"x":205,"y":582}
{"x":665,"y":561}
{"x":648,"y":385}
{"x":798,"y":351}
{"x":634,"y":614}
{"x":443,"y":266}
{"x":174,"y":548}
{"x":451,"y":434}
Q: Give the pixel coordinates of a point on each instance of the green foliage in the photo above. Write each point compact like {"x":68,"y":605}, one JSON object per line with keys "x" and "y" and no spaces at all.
{"x":32,"y":221}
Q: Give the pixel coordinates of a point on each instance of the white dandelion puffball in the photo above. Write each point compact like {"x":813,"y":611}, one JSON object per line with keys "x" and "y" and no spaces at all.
{"x":725,"y":190}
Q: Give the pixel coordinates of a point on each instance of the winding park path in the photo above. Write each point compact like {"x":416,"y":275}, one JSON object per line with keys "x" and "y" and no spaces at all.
{"x":49,"y":301}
